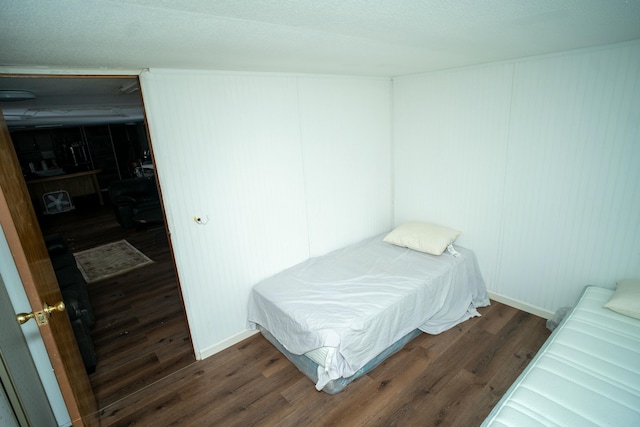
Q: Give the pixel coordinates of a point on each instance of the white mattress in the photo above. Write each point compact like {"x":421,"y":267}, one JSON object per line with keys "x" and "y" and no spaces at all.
{"x":586,"y":374}
{"x":361,"y":299}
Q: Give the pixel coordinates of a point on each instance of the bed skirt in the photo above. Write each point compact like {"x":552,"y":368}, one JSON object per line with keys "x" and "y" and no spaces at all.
{"x":310,"y":368}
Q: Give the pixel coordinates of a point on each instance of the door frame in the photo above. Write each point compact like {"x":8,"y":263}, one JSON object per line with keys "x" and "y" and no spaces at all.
{"x":26,"y":243}
{"x":80,"y":413}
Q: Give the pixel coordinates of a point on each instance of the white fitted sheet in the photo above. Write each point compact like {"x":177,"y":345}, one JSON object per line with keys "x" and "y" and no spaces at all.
{"x":322,"y":356}
{"x":586,"y":374}
{"x":363,"y":298}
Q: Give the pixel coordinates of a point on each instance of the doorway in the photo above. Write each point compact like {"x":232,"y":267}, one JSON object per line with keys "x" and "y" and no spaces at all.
{"x":76,"y":124}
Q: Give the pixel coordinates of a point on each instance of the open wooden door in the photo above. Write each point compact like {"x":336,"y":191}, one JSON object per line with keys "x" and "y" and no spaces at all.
{"x":22,"y":230}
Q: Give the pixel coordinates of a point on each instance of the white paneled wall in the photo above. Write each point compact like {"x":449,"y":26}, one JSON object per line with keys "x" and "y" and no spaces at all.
{"x":346,"y":133}
{"x":241,"y":152}
{"x":572,"y":198}
{"x":450,"y":149}
{"x":537,"y":161}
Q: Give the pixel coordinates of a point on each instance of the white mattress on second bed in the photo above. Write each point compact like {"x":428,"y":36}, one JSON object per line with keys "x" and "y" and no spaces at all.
{"x":363,"y":298}
{"x":586,"y":374}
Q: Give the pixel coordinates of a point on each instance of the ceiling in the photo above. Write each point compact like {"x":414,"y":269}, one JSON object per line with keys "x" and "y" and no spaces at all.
{"x":72,"y":102}
{"x":353,"y":37}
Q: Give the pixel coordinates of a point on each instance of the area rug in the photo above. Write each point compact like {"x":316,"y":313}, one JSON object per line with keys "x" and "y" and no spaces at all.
{"x":103,"y":262}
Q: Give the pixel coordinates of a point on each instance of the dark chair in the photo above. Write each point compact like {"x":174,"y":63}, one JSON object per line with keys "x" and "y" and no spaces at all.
{"x":75,"y":296}
{"x":136,"y":202}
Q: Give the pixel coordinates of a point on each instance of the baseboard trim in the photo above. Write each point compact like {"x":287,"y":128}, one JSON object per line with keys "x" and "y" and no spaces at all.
{"x":545,"y":314}
{"x":224,"y":344}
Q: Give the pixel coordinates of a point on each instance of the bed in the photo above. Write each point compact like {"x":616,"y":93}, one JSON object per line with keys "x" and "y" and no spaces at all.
{"x":338,"y":316}
{"x":586,"y":374}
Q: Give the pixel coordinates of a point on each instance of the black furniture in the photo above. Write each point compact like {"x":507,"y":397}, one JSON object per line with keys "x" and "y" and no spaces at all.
{"x":75,"y":296}
{"x":136,"y":202}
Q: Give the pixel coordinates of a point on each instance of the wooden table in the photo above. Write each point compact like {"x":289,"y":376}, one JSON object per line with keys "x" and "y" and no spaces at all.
{"x":76,"y":184}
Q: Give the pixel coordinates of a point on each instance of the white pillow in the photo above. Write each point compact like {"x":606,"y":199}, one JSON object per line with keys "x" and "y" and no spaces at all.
{"x":424,"y":237}
{"x":626,"y":299}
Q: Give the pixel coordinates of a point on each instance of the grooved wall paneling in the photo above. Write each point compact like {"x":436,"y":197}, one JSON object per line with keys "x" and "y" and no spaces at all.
{"x":346,"y":130}
{"x":572,"y":201}
{"x":227,"y":150}
{"x":451,"y":134}
{"x":537,"y":161}
{"x":279,"y":167}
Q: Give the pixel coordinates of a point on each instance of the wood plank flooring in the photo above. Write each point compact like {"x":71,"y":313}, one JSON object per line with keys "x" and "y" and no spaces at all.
{"x":147,"y":375}
{"x":451,"y":379}
{"x":141,"y":334}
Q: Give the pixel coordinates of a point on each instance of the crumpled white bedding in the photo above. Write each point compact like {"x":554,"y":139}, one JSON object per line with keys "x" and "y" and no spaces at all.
{"x":363,"y":298}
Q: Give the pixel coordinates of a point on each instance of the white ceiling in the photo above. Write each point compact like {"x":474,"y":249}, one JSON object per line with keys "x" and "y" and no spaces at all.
{"x":355,"y":37}
{"x":363,"y":37}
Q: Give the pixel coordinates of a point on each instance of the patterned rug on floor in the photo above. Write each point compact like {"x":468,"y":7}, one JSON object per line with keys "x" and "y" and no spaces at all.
{"x":109,"y":260}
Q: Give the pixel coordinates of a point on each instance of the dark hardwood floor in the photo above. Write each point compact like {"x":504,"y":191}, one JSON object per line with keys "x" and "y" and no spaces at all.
{"x":141,"y":333}
{"x":451,"y":379}
{"x":147,"y":375}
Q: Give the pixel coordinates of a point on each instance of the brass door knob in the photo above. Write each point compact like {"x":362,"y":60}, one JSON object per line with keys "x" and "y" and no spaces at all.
{"x":42,"y":317}
{"x":57,"y":307}
{"x":24,"y":317}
